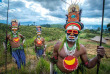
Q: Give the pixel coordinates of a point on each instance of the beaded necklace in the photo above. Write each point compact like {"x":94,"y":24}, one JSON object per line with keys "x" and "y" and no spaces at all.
{"x":69,"y":52}
{"x":72,"y":48}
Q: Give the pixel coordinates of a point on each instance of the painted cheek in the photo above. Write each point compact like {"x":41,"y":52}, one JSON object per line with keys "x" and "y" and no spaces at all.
{"x":75,"y":35}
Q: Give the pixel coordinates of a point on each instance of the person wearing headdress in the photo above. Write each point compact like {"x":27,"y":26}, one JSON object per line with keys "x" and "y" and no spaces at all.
{"x":39,"y":43}
{"x":69,"y":54}
{"x":16,"y":42}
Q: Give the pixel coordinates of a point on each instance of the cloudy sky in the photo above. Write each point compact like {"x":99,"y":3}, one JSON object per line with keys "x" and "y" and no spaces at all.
{"x":53,"y":11}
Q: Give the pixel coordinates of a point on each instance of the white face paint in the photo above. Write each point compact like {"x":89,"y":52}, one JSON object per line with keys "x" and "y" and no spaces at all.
{"x":71,"y":39}
{"x":38,"y":36}
{"x":14,"y":30}
{"x":72,"y":36}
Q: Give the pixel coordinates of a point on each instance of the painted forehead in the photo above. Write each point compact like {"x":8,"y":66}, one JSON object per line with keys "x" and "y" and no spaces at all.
{"x":14,"y":24}
{"x":72,"y":28}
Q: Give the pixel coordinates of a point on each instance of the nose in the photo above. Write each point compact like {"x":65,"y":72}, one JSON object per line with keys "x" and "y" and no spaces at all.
{"x":14,"y":30}
{"x":72,"y":33}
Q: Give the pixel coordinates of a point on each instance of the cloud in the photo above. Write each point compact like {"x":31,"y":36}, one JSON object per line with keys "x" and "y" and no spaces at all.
{"x":52,"y":5}
{"x":94,"y":8}
{"x":53,"y":11}
{"x":17,"y":4}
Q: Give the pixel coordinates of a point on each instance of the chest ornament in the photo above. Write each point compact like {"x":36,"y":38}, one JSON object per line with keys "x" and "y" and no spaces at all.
{"x":70,"y":63}
{"x":39,"y":41}
{"x":16,"y":39}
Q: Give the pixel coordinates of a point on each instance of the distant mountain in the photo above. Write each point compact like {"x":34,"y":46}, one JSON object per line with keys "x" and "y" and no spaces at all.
{"x":52,"y":25}
{"x":94,"y":26}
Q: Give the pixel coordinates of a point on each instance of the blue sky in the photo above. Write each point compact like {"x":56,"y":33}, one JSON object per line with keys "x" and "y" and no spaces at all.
{"x":53,"y":11}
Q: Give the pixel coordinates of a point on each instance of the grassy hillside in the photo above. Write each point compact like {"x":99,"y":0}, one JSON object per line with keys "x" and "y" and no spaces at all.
{"x":51,"y":35}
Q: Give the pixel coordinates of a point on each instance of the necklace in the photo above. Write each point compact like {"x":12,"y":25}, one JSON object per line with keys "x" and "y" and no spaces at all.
{"x":72,"y":48}
{"x":69,"y":52}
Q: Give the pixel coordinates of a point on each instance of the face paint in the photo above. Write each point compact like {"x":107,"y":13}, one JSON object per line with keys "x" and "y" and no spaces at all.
{"x":38,"y":28}
{"x":72,"y":35}
{"x":14,"y":31}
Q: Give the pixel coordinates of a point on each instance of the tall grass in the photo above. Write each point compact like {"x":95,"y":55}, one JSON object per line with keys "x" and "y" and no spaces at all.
{"x":42,"y":66}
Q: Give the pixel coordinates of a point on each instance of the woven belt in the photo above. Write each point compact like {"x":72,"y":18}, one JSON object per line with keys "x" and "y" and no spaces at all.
{"x":20,"y":47}
{"x":38,"y":48}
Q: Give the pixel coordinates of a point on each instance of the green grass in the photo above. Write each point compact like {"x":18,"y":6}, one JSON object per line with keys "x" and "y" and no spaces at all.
{"x":42,"y":66}
{"x":49,"y":34}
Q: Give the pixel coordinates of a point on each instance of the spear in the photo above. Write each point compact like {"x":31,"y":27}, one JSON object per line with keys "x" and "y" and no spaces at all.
{"x":6,"y":41}
{"x":98,"y":62}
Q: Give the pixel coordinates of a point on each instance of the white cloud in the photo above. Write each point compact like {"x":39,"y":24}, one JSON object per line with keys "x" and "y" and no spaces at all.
{"x":2,"y":18}
{"x":12,"y":10}
{"x":35,"y":12}
{"x":95,"y":21}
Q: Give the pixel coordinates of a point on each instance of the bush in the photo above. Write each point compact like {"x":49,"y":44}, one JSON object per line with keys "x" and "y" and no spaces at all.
{"x":87,"y":35}
{"x":43,"y":66}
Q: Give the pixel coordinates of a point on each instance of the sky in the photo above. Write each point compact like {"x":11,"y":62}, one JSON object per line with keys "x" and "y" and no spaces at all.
{"x":53,"y":11}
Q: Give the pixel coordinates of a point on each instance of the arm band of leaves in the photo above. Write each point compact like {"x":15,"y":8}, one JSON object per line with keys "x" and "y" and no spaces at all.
{"x":54,"y":59}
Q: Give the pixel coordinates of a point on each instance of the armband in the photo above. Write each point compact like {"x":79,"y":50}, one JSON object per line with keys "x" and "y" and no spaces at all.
{"x":86,"y":63}
{"x":54,"y":59}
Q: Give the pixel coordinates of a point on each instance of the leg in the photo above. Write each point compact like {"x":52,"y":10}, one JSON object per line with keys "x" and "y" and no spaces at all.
{"x":22,"y":57}
{"x":15,"y":55}
{"x":39,"y":52}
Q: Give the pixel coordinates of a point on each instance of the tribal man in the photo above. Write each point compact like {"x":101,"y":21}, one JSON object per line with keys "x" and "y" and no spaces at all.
{"x":16,"y":42}
{"x":69,"y":54}
{"x":39,"y":43}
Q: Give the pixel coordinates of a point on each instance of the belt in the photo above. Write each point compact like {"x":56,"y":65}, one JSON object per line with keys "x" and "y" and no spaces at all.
{"x":40,"y":48}
{"x":20,"y":47}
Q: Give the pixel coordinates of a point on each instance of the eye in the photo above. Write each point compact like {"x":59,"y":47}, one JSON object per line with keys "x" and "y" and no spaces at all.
{"x":69,"y":30}
{"x":75,"y":31}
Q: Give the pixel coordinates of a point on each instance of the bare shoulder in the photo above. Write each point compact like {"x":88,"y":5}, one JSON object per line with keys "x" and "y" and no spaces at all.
{"x":35,"y":39}
{"x":82,"y":48}
{"x":42,"y":38}
{"x":20,"y":35}
{"x":57,"y":45}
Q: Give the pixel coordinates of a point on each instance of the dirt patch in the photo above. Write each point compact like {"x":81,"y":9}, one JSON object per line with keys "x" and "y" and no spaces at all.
{"x":108,"y":42}
{"x":91,"y":49}
{"x":9,"y":66}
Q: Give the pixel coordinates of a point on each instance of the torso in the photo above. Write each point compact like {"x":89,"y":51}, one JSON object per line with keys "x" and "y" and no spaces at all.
{"x":13,"y":43}
{"x":36,"y":41}
{"x":62,"y":54}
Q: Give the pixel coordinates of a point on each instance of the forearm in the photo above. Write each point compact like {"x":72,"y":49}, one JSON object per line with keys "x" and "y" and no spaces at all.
{"x":44,"y":48}
{"x":92,"y":62}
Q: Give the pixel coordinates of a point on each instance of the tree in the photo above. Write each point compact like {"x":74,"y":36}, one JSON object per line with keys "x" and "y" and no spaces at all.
{"x":108,"y":26}
{"x":98,"y":29}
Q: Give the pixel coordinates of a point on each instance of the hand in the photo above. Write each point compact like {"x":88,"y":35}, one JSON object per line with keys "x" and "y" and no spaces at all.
{"x":23,"y":41}
{"x":4,"y":45}
{"x":44,"y":55}
{"x":100,"y":51}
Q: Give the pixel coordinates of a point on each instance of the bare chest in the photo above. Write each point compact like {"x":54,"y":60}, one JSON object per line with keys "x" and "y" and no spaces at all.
{"x":15,"y":41}
{"x":39,"y":42}
{"x":64,"y":54}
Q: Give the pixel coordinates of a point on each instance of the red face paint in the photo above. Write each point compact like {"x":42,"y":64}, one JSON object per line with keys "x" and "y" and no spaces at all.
{"x":72,"y":31}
